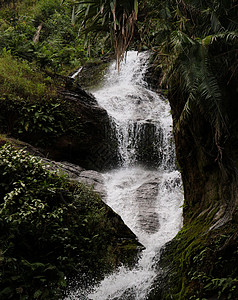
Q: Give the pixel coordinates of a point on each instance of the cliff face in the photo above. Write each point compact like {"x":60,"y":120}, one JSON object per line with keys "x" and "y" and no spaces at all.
{"x":202,"y":260}
{"x":208,"y":169}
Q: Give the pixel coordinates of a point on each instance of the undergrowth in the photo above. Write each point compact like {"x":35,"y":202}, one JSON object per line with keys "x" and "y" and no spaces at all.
{"x":58,"y":49}
{"x":51,"y":230}
{"x":21,"y":79}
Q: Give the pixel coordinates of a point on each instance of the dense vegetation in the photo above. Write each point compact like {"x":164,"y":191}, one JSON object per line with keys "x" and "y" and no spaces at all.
{"x":56,"y":47}
{"x":30,"y":108}
{"x":52,"y":230}
{"x":39,"y":48}
{"x":195,"y":48}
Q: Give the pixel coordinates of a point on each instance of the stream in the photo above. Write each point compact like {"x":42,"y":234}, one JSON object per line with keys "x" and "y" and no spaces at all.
{"x":145,"y":189}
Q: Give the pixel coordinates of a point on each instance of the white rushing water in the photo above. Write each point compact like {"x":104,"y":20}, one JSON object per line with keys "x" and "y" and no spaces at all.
{"x":148,"y":198}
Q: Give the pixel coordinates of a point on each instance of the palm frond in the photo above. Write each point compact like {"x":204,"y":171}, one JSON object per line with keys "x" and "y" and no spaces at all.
{"x":109,"y":16}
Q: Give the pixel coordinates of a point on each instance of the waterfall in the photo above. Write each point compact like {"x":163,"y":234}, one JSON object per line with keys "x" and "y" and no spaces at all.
{"x":145,"y":189}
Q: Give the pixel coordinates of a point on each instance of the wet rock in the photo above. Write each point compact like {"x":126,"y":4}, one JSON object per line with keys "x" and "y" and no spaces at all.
{"x":149,"y":144}
{"x":93,"y":179}
{"x":146,"y":196}
{"x":17,"y":144}
{"x":73,"y":171}
{"x":95,"y":148}
{"x":92,"y":73}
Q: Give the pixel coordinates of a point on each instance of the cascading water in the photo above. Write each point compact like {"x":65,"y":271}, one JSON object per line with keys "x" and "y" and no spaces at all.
{"x":148,"y":198}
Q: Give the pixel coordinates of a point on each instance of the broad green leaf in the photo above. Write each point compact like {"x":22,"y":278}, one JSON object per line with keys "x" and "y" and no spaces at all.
{"x":207,"y":40}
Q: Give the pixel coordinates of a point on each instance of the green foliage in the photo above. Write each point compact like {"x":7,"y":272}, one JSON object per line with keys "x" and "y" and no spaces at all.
{"x":51,"y":230}
{"x":32,"y":214}
{"x":45,"y":9}
{"x":29,"y":109}
{"x":115,"y":19}
{"x":58,"y":49}
{"x":195,"y":46}
{"x":19,"y":78}
{"x":39,"y":123}
{"x":202,"y":264}
{"x":225,"y":286}
{"x":222,"y":287}
{"x":195,"y":49}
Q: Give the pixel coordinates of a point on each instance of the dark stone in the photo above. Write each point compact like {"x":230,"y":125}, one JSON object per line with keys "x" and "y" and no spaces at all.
{"x":76,"y":173}
{"x":149,"y":145}
{"x":95,"y":148}
{"x":92,"y":73}
{"x":95,"y":180}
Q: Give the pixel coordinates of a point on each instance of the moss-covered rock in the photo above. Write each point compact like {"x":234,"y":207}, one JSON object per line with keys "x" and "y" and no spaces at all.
{"x":55,"y":114}
{"x":92,"y":73}
{"x":95,"y":148}
{"x":200,"y":263}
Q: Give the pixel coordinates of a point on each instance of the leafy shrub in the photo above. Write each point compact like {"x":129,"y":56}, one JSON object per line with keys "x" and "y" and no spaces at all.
{"x":18,"y":41}
{"x":45,"y":9}
{"x":59,"y":49}
{"x":29,"y":109}
{"x":39,"y":123}
{"x":50,"y":229}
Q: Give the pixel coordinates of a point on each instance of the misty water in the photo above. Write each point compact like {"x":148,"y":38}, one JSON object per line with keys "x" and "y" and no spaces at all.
{"x":145,"y":192}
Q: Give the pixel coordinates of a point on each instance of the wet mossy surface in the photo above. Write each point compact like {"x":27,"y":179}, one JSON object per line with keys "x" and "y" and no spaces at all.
{"x":199,"y":264}
{"x":92,"y":74}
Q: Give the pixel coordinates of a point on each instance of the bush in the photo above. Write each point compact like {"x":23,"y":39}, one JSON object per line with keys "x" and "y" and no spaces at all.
{"x":50,"y":229}
{"x":58,"y":49}
{"x":29,"y":109}
{"x":39,"y":123}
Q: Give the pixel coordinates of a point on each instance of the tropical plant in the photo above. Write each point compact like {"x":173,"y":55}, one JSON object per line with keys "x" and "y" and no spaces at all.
{"x":57,"y":47}
{"x":116,"y":19}
{"x":195,"y":46}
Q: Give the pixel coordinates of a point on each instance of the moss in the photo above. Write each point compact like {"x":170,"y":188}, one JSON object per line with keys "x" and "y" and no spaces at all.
{"x":197,"y":261}
{"x":92,"y":74}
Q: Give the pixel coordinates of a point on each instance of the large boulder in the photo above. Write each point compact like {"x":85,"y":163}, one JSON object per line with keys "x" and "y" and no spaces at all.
{"x":95,"y":147}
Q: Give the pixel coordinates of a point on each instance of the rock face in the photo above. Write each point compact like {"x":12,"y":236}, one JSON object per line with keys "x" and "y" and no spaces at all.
{"x":76,"y":173}
{"x":96,"y":147}
{"x":205,"y":251}
{"x":94,"y":179}
{"x":208,"y":165}
{"x":130,"y":246}
{"x":146,"y":198}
